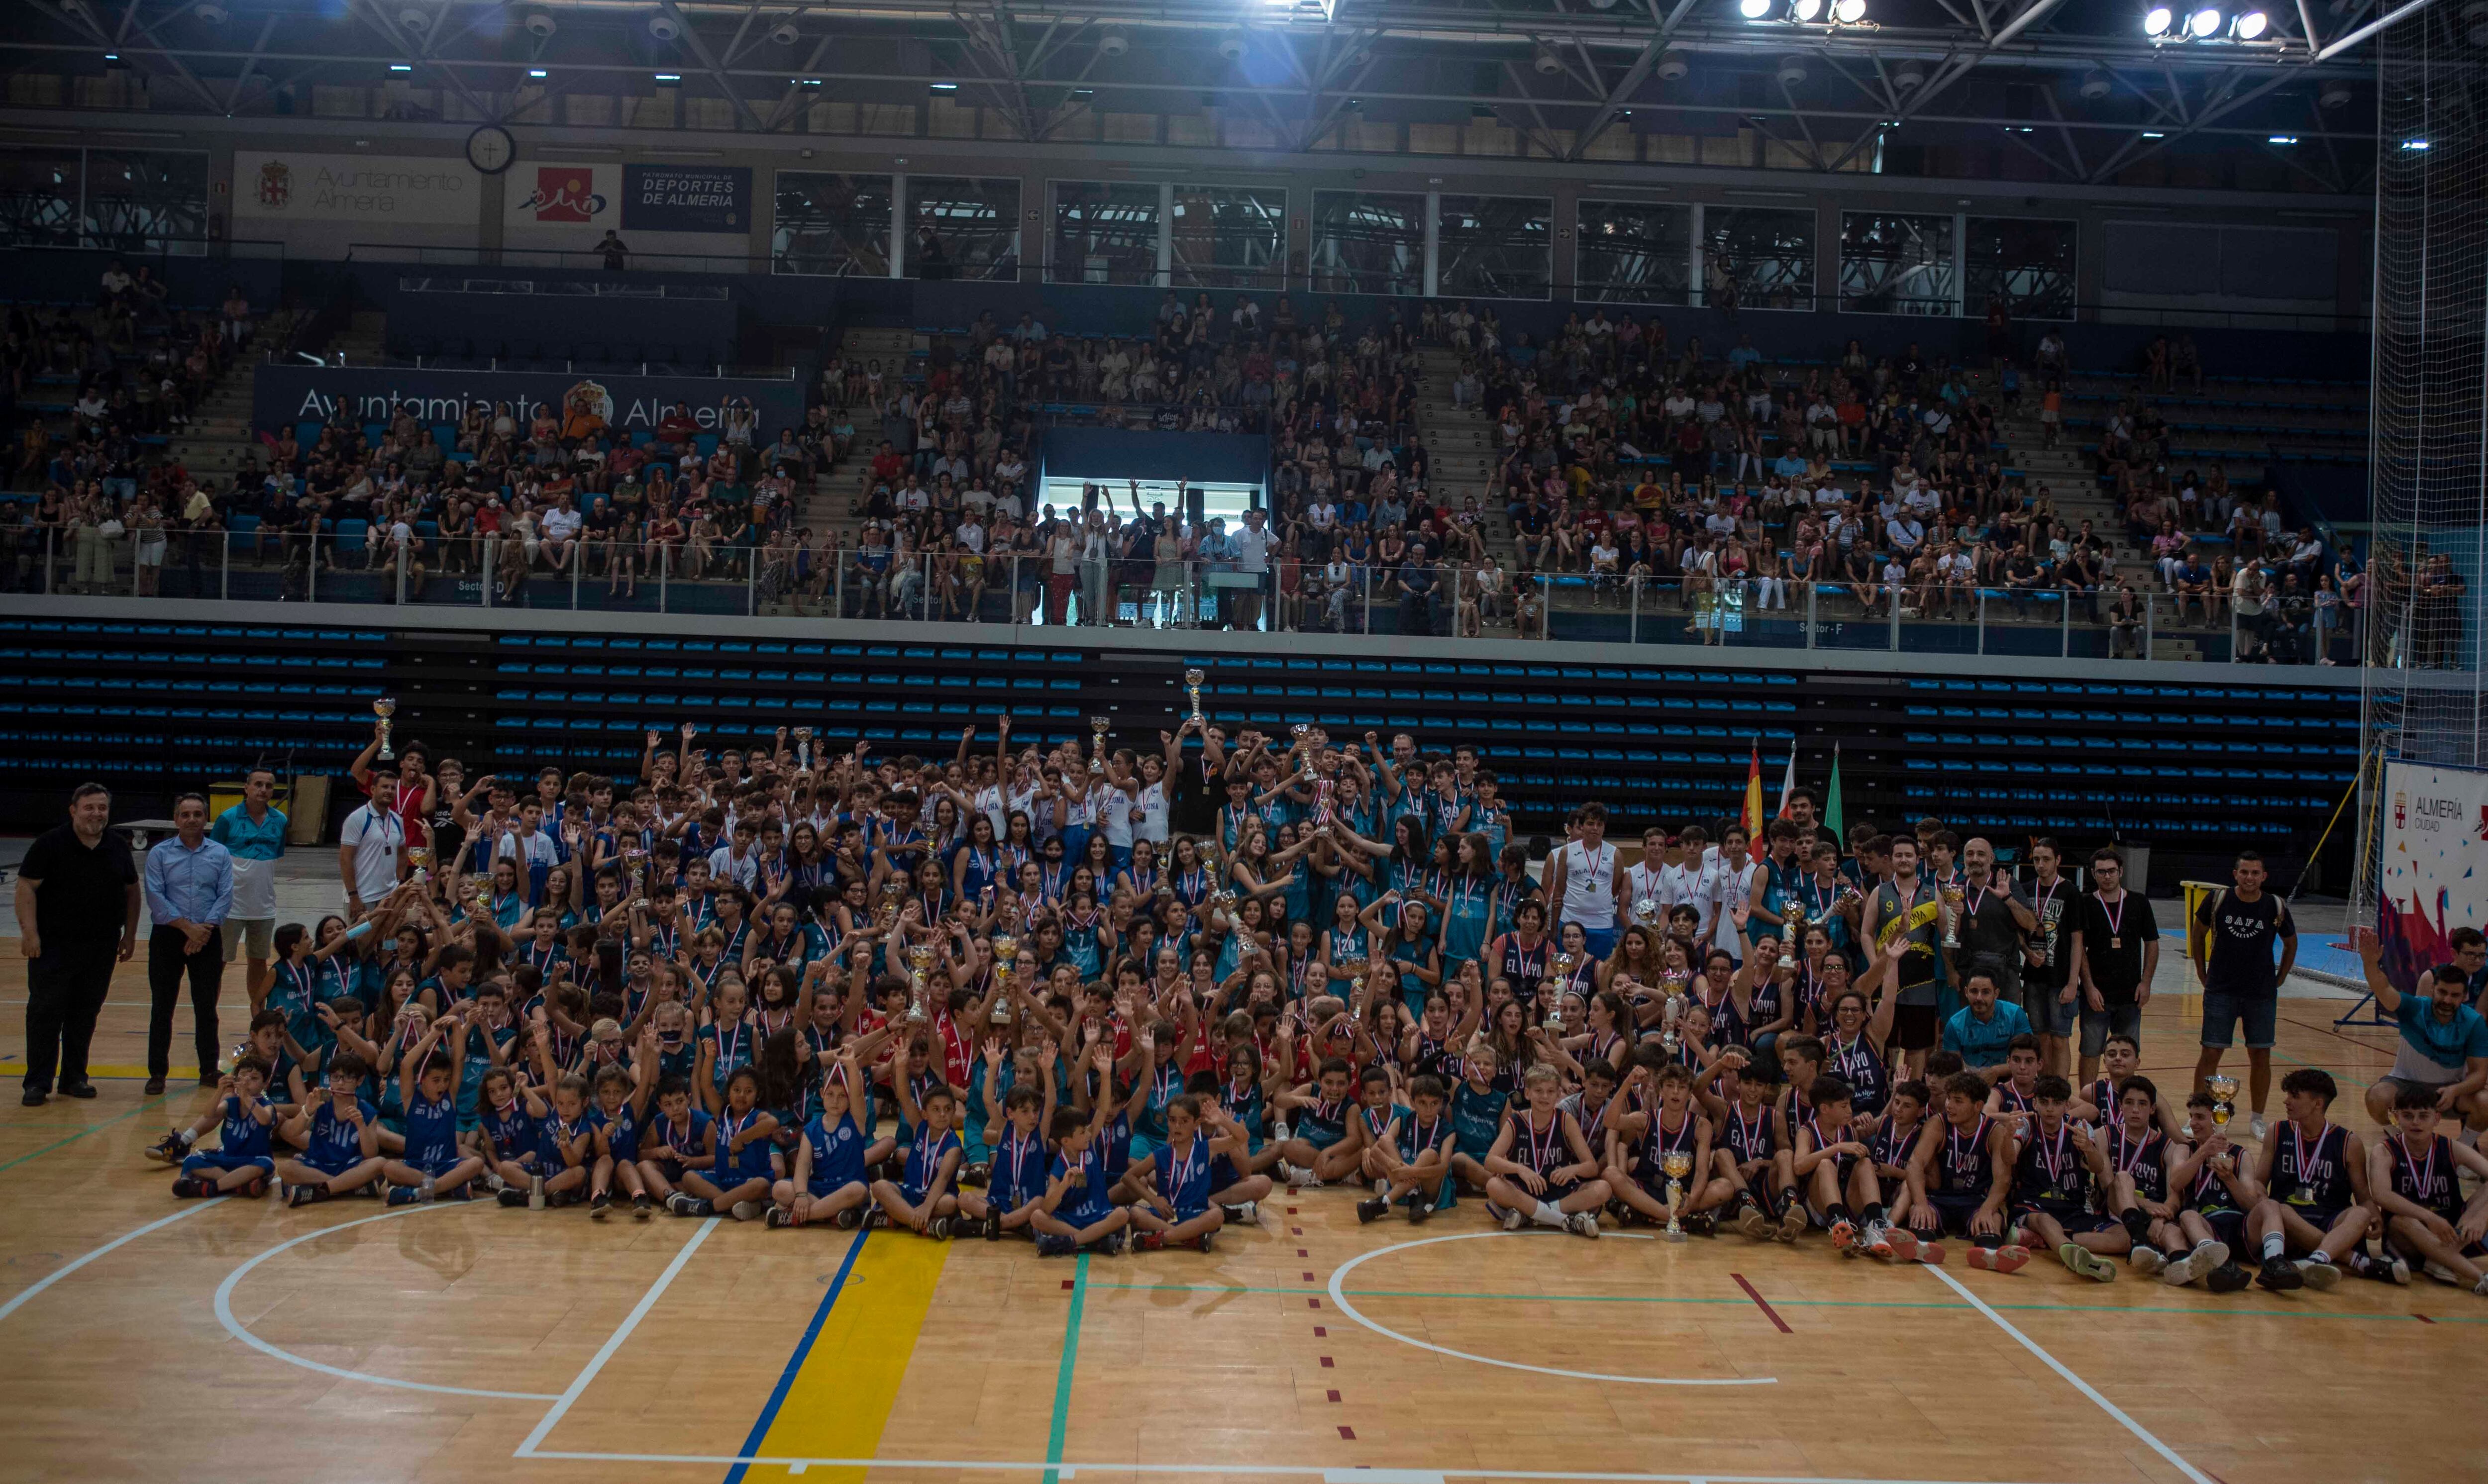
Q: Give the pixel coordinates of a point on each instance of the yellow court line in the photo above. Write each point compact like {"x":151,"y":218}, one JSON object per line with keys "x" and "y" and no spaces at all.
{"x":841,"y":1395}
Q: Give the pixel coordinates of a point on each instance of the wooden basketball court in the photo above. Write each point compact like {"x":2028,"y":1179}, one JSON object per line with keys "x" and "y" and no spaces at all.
{"x":147,"y":1338}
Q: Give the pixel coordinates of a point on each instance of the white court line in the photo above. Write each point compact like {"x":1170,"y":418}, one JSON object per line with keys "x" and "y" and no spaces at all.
{"x":1338,"y":1297}
{"x":234,"y":1327}
{"x":1072,"y":1467}
{"x":579,"y":1384}
{"x":2079,"y":1383}
{"x":19,"y":1299}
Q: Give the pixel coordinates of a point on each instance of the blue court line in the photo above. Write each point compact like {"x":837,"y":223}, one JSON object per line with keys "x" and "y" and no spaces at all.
{"x":795,"y":1361}
{"x":1063,"y":1373}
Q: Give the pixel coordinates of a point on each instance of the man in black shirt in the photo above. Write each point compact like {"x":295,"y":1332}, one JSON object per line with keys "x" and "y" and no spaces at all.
{"x":2233,"y":956}
{"x":78,"y":914}
{"x":1992,"y":924}
{"x":2116,"y":948}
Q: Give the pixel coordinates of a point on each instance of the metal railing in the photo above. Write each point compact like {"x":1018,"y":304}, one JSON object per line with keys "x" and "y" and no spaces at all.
{"x":696,"y":578}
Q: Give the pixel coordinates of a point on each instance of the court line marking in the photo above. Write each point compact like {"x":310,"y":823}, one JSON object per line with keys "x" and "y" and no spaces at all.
{"x":235,"y":1328}
{"x":1067,"y":1471}
{"x":1338,"y":1297}
{"x":1062,"y":1375}
{"x":17,"y":1301}
{"x":803,"y":1350}
{"x":2079,"y":1383}
{"x":578,"y":1387}
{"x":93,"y":1128}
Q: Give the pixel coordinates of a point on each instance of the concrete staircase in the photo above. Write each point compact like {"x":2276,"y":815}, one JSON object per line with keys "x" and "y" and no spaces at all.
{"x":219,"y":436}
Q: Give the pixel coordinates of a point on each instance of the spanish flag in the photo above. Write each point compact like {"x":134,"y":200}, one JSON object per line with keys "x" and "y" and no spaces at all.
{"x":1754,"y":792}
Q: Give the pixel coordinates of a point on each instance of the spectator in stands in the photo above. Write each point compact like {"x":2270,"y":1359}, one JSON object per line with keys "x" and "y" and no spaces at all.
{"x":616,"y":253}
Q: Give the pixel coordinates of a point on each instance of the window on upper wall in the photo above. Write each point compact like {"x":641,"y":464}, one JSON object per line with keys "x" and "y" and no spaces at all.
{"x":1103,"y":233}
{"x":1495,"y":248}
{"x":1231,"y":237}
{"x":1757,"y":258}
{"x":131,"y":201}
{"x":1368,"y":242}
{"x":963,"y":227}
{"x":836,"y":225}
{"x":2028,"y":263}
{"x":1895,"y":263}
{"x":1634,"y":252}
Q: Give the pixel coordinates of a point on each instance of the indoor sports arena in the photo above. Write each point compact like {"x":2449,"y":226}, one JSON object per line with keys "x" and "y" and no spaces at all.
{"x":956,"y":743}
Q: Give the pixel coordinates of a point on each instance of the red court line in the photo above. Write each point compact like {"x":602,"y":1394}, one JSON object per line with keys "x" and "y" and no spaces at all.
{"x":2424,"y":1319}
{"x":1768,"y":1312}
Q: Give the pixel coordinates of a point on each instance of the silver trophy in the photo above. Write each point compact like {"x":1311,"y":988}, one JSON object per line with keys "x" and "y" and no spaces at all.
{"x":384,"y":708}
{"x":1192,"y":680}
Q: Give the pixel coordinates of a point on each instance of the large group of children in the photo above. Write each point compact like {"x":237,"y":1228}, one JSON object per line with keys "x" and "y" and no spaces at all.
{"x":1004,"y":996}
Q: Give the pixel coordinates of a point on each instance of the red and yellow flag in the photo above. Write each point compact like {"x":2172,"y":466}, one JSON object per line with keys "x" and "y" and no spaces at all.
{"x":1754,"y":792}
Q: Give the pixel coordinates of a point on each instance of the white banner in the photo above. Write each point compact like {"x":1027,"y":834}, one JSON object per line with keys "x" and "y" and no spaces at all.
{"x":357,"y":189}
{"x":2434,"y":875}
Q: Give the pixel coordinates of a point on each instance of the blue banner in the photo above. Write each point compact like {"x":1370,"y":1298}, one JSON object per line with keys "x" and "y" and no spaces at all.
{"x":687,"y":197}
{"x":282,"y":396}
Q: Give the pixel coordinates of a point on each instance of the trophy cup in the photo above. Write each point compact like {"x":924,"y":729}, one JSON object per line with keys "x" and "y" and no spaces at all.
{"x":1097,"y":726}
{"x":419,"y":857}
{"x":385,"y":706}
{"x":803,"y":748}
{"x":1669,"y":1039}
{"x":920,"y":962}
{"x":1645,"y":911}
{"x":1675,"y":1164}
{"x":1563,"y":973}
{"x":1325,"y":791}
{"x":1791,"y":928}
{"x":1952,"y":896}
{"x":1192,"y":680}
{"x":1005,"y":960}
{"x":2224,"y":1091}
{"x":889,"y":901}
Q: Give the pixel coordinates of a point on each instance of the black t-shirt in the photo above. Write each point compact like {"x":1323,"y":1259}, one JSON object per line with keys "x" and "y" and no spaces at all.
{"x":2241,"y":959}
{"x":82,"y":891}
{"x":2113,"y":939}
{"x":1989,"y":937}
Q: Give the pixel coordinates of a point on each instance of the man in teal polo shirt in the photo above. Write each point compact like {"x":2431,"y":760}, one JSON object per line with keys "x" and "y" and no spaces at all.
{"x":253,"y":833}
{"x":1983,"y":1029}
{"x":2443,"y":1042}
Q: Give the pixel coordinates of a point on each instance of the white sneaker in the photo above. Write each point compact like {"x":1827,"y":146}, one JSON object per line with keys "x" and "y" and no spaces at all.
{"x":2481,"y":1287}
{"x":1513,"y":1220}
{"x":2322,"y":1276}
{"x":2180,"y":1271}
{"x":2150,"y":1259}
{"x":2254,"y":1126}
{"x":1582,"y":1223}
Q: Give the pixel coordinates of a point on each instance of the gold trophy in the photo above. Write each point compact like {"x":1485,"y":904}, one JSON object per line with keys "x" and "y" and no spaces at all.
{"x":889,"y":900}
{"x":385,"y":706}
{"x":1675,"y":1164}
{"x":1791,"y":929}
{"x":920,"y":963}
{"x":419,"y":857}
{"x":1952,"y":898}
{"x":1005,"y":962}
{"x":803,"y":748}
{"x":1097,"y":726}
{"x":2224,"y":1091}
{"x":1192,"y":680}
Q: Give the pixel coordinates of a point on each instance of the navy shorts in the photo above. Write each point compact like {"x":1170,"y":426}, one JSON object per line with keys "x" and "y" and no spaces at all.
{"x":212,"y":1162}
{"x":2223,"y":1009}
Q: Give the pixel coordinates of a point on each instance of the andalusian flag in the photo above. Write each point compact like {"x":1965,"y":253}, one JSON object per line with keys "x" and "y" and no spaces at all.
{"x":1754,"y":791}
{"x":1831,"y":819}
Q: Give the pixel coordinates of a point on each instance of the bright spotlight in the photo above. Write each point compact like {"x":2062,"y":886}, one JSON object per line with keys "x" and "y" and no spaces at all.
{"x":1805,"y":11}
{"x":1848,"y":12}
{"x":2203,"y":23}
{"x":1754,"y":9}
{"x":2250,"y":25}
{"x":2158,"y":21}
{"x":2413,"y":144}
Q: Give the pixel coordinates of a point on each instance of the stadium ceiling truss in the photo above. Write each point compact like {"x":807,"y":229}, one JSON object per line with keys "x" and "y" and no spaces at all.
{"x":2075,"y":83}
